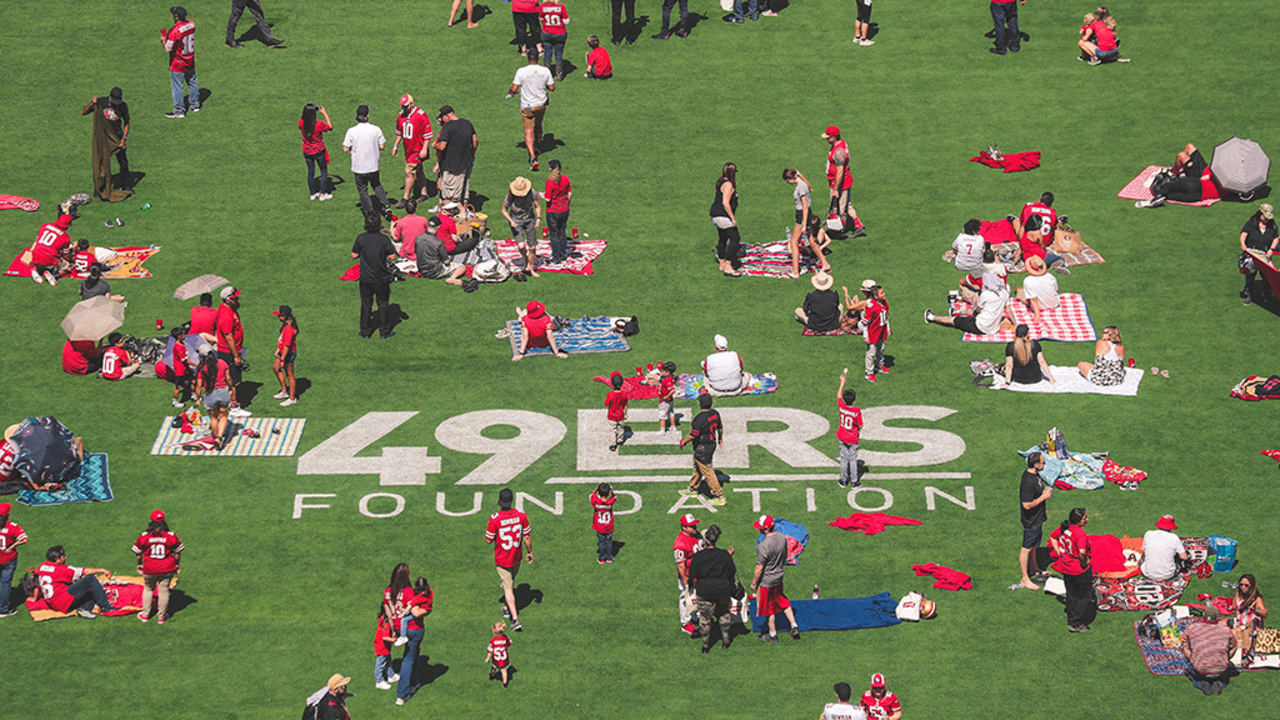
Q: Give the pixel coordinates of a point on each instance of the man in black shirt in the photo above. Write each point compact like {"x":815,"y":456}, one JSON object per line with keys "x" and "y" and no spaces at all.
{"x":115,"y":111}
{"x":821,"y":310}
{"x":1034,"y":498}
{"x":1259,"y":235}
{"x":456,"y":148}
{"x":713,"y":578}
{"x":705,"y":432}
{"x":374,"y":251}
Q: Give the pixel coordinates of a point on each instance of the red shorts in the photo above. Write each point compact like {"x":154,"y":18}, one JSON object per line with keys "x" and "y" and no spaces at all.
{"x":771,"y":600}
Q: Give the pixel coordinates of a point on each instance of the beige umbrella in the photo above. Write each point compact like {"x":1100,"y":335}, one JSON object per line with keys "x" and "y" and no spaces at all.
{"x":198,"y":286}
{"x":92,"y":319}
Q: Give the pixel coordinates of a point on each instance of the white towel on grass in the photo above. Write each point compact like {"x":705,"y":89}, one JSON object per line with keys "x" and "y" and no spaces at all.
{"x":1071,"y":381}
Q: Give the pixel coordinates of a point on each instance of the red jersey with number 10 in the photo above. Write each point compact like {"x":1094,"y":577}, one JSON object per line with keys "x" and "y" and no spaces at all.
{"x":416,"y":132}
{"x":498,"y":650}
{"x":850,"y":423}
{"x":602,"y":513}
{"x":158,"y":552}
{"x":10,"y":533}
{"x":114,"y":361}
{"x":554,"y":16}
{"x":507,"y":528}
{"x":182,"y":51}
{"x":49,"y":244}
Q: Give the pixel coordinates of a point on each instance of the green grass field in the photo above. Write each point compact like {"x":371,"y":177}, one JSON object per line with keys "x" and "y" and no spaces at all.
{"x":281,"y":603}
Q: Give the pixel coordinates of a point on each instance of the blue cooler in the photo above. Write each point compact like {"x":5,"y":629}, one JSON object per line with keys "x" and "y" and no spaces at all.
{"x":1224,"y":550}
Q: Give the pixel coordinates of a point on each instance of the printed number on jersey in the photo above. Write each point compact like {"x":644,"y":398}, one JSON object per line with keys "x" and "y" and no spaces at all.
{"x":189,"y":44}
{"x":509,"y":537}
{"x":552,"y":20}
{"x":604,"y":517}
{"x":159,"y":552}
{"x":500,"y":653}
{"x":46,"y":587}
{"x":109,"y":364}
{"x":48,"y":238}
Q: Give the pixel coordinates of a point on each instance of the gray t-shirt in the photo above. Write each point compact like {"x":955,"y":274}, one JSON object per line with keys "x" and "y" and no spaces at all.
{"x":101,"y":288}
{"x":432,"y":256}
{"x":771,"y":553}
{"x":520,"y":208}
{"x":801,"y":194}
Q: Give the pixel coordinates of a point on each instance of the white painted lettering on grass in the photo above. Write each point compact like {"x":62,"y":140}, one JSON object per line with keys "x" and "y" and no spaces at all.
{"x":508,"y":457}
{"x":396,"y":465}
{"x":594,"y":439}
{"x":635,"y":496}
{"x":930,"y":492}
{"x":300,"y":503}
{"x":692,"y":502}
{"x":556,"y":509}
{"x":755,"y":495}
{"x":937,"y":446}
{"x":475,"y":505}
{"x":885,"y":495}
{"x":809,"y":502}
{"x":395,"y":510}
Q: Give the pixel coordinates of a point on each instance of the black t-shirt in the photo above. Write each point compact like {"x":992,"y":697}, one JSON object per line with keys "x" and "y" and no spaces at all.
{"x":823,"y":309}
{"x":459,"y":154}
{"x":705,"y":430}
{"x":717,"y":202}
{"x":712,"y":574}
{"x":373,"y":249}
{"x":120,"y":110}
{"x":1257,"y":238}
{"x":1029,"y":489}
{"x":1029,"y":373}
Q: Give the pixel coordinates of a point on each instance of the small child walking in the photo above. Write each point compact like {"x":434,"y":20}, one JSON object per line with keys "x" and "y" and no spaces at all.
{"x":602,"y":501}
{"x":382,"y":638}
{"x":847,"y":432}
{"x":666,"y":397}
{"x":616,"y":401}
{"x":286,"y":353}
{"x":497,"y":657}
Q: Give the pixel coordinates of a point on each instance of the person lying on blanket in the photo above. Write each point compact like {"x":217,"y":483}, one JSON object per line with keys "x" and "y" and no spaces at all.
{"x":12,"y":482}
{"x":1040,"y":289}
{"x":68,"y":588}
{"x":535,"y":331}
{"x":724,"y":370}
{"x":990,"y":317}
{"x":1185,"y":182}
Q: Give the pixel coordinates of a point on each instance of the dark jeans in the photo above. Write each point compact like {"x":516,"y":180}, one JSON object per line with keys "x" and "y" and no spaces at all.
{"x":555,"y":233}
{"x":621,"y":29}
{"x":312,"y":162}
{"x":406,"y":665}
{"x":123,"y":159}
{"x":1082,"y":601}
{"x":553,"y":47}
{"x":527,"y":30}
{"x":363,"y":181}
{"x":1006,"y":14}
{"x":465,"y":246}
{"x":666,"y":16}
{"x":6,"y":582}
{"x":255,"y":10}
{"x":87,"y":592}
{"x":604,"y":546}
{"x":729,"y":245}
{"x":379,"y":319}
{"x":1210,"y":684}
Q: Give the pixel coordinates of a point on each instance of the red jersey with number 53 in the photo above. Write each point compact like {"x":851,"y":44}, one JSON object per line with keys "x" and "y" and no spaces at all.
{"x":554,"y":16}
{"x":498,"y":650}
{"x":158,"y":552}
{"x":602,"y":513}
{"x":880,"y":708}
{"x":416,"y":132}
{"x":507,"y":529}
{"x":850,"y":423}
{"x":54,"y":579}
{"x":181,"y":42}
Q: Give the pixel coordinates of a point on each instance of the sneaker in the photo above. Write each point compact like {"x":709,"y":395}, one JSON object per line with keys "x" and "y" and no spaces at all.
{"x":289,"y":402}
{"x":143,"y":617}
{"x":1060,"y":268}
{"x":1244,"y":294}
{"x":1151,"y":180}
{"x":1248,"y":301}
{"x":109,"y":225}
{"x":399,"y":701}
{"x":795,"y":633}
{"x":662,"y":36}
{"x":1083,"y":57}
{"x":884,"y":369}
{"x":995,"y":51}
{"x":682,"y":34}
{"x":119,"y":222}
{"x":281,"y":395}
{"x":384,"y":685}
{"x":325,"y":196}
{"x":688,"y":492}
{"x":234,"y":44}
{"x":769,"y":13}
{"x":401,"y":641}
{"x":400,"y":204}
{"x":871,"y":377}
{"x":86,"y":614}
{"x":239,"y":412}
{"x":608,"y":561}
{"x":1078,"y":628}
{"x":842,"y":482}
{"x":53,"y":281}
{"x":929,"y":316}
{"x":35,"y":277}
{"x":766,"y":637}
{"x":706,"y":648}
{"x":613,"y":448}
{"x":160,"y":620}
{"x":175,"y":115}
{"x":195,"y":109}
{"x":1094,"y":61}
{"x":515,"y":625}
{"x":394,"y":677}
{"x":719,"y":501}
{"x":857,"y":232}
{"x":865,"y":42}
{"x":506,"y":611}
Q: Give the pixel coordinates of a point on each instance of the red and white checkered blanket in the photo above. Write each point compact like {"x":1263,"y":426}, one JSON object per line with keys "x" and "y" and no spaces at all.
{"x":590,"y":250}
{"x":1135,"y":190}
{"x":1069,"y":322}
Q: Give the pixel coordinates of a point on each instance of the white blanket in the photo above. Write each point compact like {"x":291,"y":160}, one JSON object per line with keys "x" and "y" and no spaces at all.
{"x":1071,"y":381}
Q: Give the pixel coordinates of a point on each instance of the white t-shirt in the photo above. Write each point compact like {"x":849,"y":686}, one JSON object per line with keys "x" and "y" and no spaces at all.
{"x":724,"y":371}
{"x":365,"y":140}
{"x":842,"y":711}
{"x":533,"y":81}
{"x":968,"y":251}
{"x":1159,"y":548}
{"x":1043,"y":288}
{"x":802,"y":193}
{"x":990,"y":310}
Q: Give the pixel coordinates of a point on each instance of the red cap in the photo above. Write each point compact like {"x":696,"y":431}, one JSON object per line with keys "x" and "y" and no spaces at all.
{"x":1166,"y":523}
{"x":535,"y":309}
{"x":831,"y":131}
{"x":5,"y":509}
{"x":64,"y":221}
{"x":688,"y":520}
{"x":157,"y":516}
{"x":764,"y":523}
{"x":877,"y":680}
{"x":406,"y":99}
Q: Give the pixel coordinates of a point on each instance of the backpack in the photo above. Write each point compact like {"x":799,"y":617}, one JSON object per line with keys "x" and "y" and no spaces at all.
{"x":491,"y":271}
{"x":627,"y":328}
{"x":983,"y":369}
{"x":311,"y":711}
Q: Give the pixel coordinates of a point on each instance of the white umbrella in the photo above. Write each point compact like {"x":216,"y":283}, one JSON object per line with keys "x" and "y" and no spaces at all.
{"x":92,"y":319}
{"x":199,"y":286}
{"x":1240,"y":166}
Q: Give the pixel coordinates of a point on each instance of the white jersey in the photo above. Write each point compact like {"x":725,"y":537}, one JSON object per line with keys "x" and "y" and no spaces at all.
{"x":842,"y":711}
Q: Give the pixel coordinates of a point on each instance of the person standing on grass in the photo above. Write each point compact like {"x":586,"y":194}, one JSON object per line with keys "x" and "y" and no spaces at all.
{"x":840,"y":180}
{"x":230,"y":333}
{"x":525,"y":15}
{"x":1033,"y":496}
{"x":686,"y":545}
{"x":1004,"y":13}
{"x":623,"y":31}
{"x":255,"y":11}
{"x":666,"y":397}
{"x":875,"y":321}
{"x":286,"y":354}
{"x":804,"y":208}
{"x":705,"y":432}
{"x":212,"y":385}
{"x":724,"y":207}
{"x":417,"y":606}
{"x":508,"y":529}
{"x":558,"y":194}
{"x":65,"y":587}
{"x":862,"y":23}
{"x":453,"y":12}
{"x":375,"y":253}
{"x":159,"y":553}
{"x":111,"y":142}
{"x":455,"y":156}
{"x":771,"y":598}
{"x":682,"y":28}
{"x":554,"y":17}
{"x":364,"y":141}
{"x":523,"y":210}
{"x":11,"y":537}
{"x":848,"y":432}
{"x":382,"y":638}
{"x":841,"y":709}
{"x":498,"y":653}
{"x":180,"y":42}
{"x":879,"y":703}
{"x":616,"y":400}
{"x":533,"y":82}
{"x":602,"y":500}
{"x":713,"y":578}
{"x":413,"y":127}
{"x":1071,"y":545}
{"x":314,"y":150}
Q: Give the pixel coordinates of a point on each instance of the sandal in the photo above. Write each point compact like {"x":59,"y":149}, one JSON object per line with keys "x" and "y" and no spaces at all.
{"x":1164,"y":373}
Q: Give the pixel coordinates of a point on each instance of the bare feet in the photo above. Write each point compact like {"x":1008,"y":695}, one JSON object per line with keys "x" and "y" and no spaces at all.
{"x":516,"y":358}
{"x":1026,"y":583}
{"x":473,"y":25}
{"x":533,"y":273}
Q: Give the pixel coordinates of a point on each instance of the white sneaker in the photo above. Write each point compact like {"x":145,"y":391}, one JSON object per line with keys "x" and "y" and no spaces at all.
{"x":864,"y":41}
{"x":401,"y":641}
{"x":1150,"y":180}
{"x":176,"y":403}
{"x":290,"y":401}
{"x":393,"y":678}
{"x":239,"y":412}
{"x":383,"y":685}
{"x":326,"y":196}
{"x":399,"y":701}
{"x":53,"y":281}
{"x":315,"y":196}
{"x":281,"y":395}
{"x":35,"y":276}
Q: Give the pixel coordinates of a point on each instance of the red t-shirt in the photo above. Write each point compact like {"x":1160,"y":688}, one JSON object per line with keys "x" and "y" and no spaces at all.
{"x":227,"y":322}
{"x":874,"y":317}
{"x":180,"y":360}
{"x":616,"y":401}
{"x":1074,"y":549}
{"x":598,"y":60}
{"x":448,"y":228}
{"x":413,"y":600}
{"x":159,"y":552}
{"x":602,"y":513}
{"x":54,"y":579}
{"x":850,"y":423}
{"x":880,"y":708}
{"x":537,"y":328}
{"x":382,"y":637}
{"x":1048,"y":217}
{"x":554,"y":16}
{"x":76,"y":354}
{"x":557,"y":194}
{"x":416,"y":132}
{"x":833,"y":167}
{"x":114,"y":361}
{"x":50,"y":242}
{"x":524,"y":6}
{"x":408,"y":228}
{"x":220,"y":375}
{"x":666,"y":389}
{"x":507,"y":528}
{"x":8,"y":453}
{"x":182,"y":53}
{"x":80,"y":263}
{"x":1030,"y":247}
{"x":1105,"y":36}
{"x":498,"y":650}
{"x":203,"y":319}
{"x":11,"y":532}
{"x":684,"y":547}
{"x":288,"y":341}
{"x":314,"y":143}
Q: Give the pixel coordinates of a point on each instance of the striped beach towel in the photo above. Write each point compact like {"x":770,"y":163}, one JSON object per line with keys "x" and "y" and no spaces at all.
{"x":585,"y":335}
{"x":773,"y":260}
{"x":91,"y":485}
{"x":171,"y":440}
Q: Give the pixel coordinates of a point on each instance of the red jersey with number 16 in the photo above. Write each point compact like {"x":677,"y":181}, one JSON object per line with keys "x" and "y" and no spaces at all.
{"x":181,"y":42}
{"x":54,"y":579}
{"x":554,"y":16}
{"x":416,"y":132}
{"x":507,"y":528}
{"x":850,"y":423}
{"x":158,"y":552}
{"x":602,"y":513}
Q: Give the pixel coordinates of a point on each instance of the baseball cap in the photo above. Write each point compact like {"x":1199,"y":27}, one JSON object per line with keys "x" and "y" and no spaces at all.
{"x":229,"y":292}
{"x":765,"y":522}
{"x":444,"y":110}
{"x":1267,"y":211}
{"x":877,"y":680}
{"x":1166,"y":522}
{"x":179,"y":11}
{"x":283,"y":311}
{"x":688,"y":520}
{"x":831,"y":131}
{"x":868,"y":284}
{"x":5,"y":509}
{"x":157,"y":515}
{"x":406,"y":99}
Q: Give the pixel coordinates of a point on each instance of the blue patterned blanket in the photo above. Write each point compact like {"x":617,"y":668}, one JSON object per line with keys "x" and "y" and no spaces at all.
{"x":92,"y":485}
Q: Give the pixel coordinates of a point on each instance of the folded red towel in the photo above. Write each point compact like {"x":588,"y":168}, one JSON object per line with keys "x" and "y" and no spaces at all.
{"x":1010,"y":162}
{"x":946,"y":578}
{"x":871,"y":523}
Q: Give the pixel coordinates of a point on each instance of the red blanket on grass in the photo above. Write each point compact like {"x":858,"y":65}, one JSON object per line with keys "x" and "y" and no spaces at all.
{"x":633,"y":386}
{"x":945,"y":577}
{"x":871,"y":523}
{"x":11,"y":202}
{"x":124,"y":592}
{"x":126,"y":264}
{"x":997,"y":232}
{"x":1010,"y":162}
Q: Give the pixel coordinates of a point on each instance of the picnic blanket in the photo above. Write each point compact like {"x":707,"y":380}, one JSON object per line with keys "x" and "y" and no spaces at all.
{"x":1010,"y":162}
{"x":1255,"y":387}
{"x":797,"y":536}
{"x":1085,"y":471}
{"x":1069,"y":322}
{"x":848,"y":326}
{"x":1006,"y":251}
{"x":91,"y":485}
{"x":172,"y":441}
{"x":1161,"y":660}
{"x":585,"y":335}
{"x":587,"y":249}
{"x":17,"y":202}
{"x":1137,"y":190}
{"x":945,"y":578}
{"x":124,"y":592}
{"x":835,"y":614}
{"x":1136,"y":592}
{"x":871,"y":523}
{"x":633,"y":386}
{"x":125,"y":264}
{"x":773,"y":260}
{"x":1069,"y":380}
{"x":689,"y":387}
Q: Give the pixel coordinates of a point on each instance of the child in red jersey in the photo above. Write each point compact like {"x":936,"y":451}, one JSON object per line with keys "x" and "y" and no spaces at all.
{"x":286,"y":353}
{"x":602,"y":501}
{"x":497,"y":656}
{"x":666,"y":397}
{"x":83,"y":259}
{"x":382,"y":639}
{"x":599,"y":65}
{"x":616,"y":401}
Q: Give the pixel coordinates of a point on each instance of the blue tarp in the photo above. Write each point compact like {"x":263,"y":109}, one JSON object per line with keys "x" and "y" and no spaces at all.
{"x":836,"y":614}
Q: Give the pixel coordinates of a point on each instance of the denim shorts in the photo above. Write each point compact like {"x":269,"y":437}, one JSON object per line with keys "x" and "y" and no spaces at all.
{"x":220,"y":397}
{"x":1105,"y":54}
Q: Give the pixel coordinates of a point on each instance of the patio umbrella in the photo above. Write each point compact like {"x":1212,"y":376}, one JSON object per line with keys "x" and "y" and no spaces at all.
{"x":44,"y":451}
{"x":199,"y":286}
{"x":92,"y":319}
{"x":1240,"y":166}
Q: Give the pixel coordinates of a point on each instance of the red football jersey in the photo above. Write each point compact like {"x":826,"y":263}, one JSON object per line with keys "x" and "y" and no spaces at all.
{"x":1048,"y":216}
{"x":833,"y":166}
{"x":507,"y":528}
{"x":81,"y":261}
{"x":684,"y":547}
{"x":416,"y":132}
{"x":409,"y":599}
{"x":556,"y":194}
{"x":51,"y":240}
{"x":1073,"y":549}
{"x":8,"y":453}
{"x":448,"y":228}
{"x":602,"y":513}
{"x":876,"y":317}
{"x":228,"y":321}
{"x":1030,"y":247}
{"x":616,"y":401}
{"x":382,"y":637}
{"x":498,"y":646}
{"x":880,"y":708}
{"x":554,"y":16}
{"x":54,"y":579}
{"x":288,"y":341}
{"x":203,"y":319}
{"x":114,"y":361}
{"x":9,"y":534}
{"x":850,"y":423}
{"x":159,"y":552}
{"x":181,"y":44}
{"x":666,"y":389}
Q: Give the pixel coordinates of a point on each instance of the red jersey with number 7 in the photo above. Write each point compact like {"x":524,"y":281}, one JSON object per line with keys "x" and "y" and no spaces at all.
{"x":507,"y":529}
{"x":554,"y":16}
{"x":602,"y":513}
{"x":159,"y":552}
{"x":181,"y":43}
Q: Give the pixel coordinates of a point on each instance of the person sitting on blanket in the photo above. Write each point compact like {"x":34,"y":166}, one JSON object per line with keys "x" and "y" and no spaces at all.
{"x":724,"y":370}
{"x":94,"y":285}
{"x":66,"y":588}
{"x":1024,"y":359}
{"x":116,"y":361}
{"x":1048,"y":216}
{"x":990,"y":316}
{"x":406,"y":230}
{"x":821,"y":310}
{"x":1107,"y":367}
{"x":1260,"y":235}
{"x":1185,"y":182}
{"x":1035,"y":241}
{"x":971,"y":284}
{"x":52,"y":242}
{"x":434,"y":261}
{"x":1250,"y":611}
{"x":1208,"y":646}
{"x":81,"y":357}
{"x":1161,"y":551}
{"x":967,"y":248}
{"x":1040,"y":289}
{"x":458,"y":243}
{"x":535,"y":331}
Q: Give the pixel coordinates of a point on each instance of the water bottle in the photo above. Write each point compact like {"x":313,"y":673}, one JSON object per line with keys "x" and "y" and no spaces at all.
{"x":1228,"y":584}
{"x":815,"y":592}
{"x":145,"y":206}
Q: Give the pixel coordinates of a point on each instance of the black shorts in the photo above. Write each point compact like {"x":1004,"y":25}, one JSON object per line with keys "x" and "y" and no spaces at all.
{"x":288,"y":358}
{"x":967,"y":324}
{"x":1031,"y":536}
{"x":234,"y":373}
{"x":864,"y":11}
{"x":800,"y":216}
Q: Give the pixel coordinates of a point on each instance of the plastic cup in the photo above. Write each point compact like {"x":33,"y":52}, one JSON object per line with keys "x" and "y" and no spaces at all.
{"x":159,"y":324}
{"x":575,"y":233}
{"x":1130,"y":362}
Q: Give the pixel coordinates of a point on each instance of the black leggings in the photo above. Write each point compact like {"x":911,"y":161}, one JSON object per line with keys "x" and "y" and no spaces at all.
{"x":729,"y":246}
{"x":465,"y":245}
{"x":1082,"y":600}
